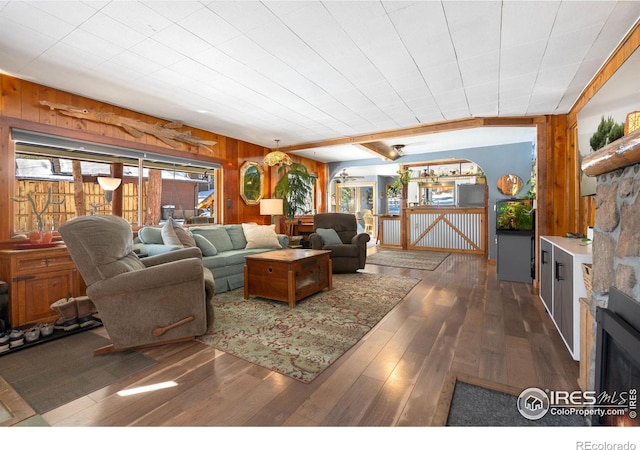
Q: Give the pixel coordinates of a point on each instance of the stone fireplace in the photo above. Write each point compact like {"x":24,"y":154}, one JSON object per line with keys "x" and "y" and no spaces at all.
{"x":616,"y":265}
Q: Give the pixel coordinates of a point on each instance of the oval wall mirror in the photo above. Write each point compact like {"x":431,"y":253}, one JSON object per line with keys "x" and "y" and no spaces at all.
{"x":251,"y":182}
{"x":510,"y":185}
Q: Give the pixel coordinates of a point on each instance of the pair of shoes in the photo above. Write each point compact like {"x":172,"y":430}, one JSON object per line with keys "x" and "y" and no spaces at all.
{"x":74,"y":313}
{"x":4,"y":342}
{"x":16,"y":338}
{"x":32,"y":335}
{"x":46,"y":329}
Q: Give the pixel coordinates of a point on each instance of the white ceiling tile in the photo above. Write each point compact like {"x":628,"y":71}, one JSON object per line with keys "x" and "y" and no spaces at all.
{"x":112,"y":31}
{"x":137,"y":16}
{"x":309,"y":70}
{"x":36,"y":19}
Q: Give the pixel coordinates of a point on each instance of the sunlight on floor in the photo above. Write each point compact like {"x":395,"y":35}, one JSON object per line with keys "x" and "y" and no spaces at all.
{"x":149,"y":388}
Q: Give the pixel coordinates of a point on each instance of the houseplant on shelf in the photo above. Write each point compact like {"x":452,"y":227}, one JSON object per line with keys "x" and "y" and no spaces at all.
{"x":396,"y":188}
{"x":607,"y":132}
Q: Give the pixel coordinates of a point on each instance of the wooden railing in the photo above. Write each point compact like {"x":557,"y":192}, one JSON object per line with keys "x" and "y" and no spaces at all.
{"x":462,"y":230}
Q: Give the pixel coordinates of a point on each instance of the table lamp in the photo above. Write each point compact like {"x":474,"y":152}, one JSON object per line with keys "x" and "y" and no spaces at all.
{"x":271,"y":207}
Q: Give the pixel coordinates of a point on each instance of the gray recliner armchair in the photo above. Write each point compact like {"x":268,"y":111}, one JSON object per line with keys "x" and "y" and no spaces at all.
{"x":350,"y":254}
{"x":141,"y":301}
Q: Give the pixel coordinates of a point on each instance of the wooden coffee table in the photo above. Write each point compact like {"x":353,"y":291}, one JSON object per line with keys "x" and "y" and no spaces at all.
{"x":287,"y":275}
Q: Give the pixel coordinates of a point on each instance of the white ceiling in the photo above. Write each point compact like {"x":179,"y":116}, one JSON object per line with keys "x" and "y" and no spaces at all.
{"x":306,"y":71}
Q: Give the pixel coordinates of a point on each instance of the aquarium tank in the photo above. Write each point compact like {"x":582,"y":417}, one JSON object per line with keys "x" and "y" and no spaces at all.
{"x":515,"y":215}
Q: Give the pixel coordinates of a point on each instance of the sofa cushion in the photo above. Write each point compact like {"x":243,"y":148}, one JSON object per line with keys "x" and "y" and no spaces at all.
{"x":237,"y":236}
{"x":206,"y":247}
{"x":217,"y":235}
{"x":329,"y":236}
{"x":150,"y":235}
{"x":260,"y":236}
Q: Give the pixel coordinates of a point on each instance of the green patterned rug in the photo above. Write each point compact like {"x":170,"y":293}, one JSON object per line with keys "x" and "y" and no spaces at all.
{"x":420,"y":259}
{"x":303,"y":341}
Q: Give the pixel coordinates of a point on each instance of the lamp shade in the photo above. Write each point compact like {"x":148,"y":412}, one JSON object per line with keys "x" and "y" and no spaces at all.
{"x":271,"y":207}
{"x":109,"y":183}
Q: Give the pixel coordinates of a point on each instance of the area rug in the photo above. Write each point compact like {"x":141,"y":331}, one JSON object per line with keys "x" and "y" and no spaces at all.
{"x":52,"y":374}
{"x":303,"y":341}
{"x":469,"y":401}
{"x":424,"y":260}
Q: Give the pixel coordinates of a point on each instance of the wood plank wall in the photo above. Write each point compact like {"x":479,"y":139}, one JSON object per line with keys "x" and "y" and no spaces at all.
{"x":20,"y":108}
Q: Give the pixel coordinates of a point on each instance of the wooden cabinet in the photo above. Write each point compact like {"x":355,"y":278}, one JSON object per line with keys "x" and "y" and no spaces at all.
{"x":37,"y":278}
{"x":515,"y":257}
{"x":563,"y":307}
{"x":546,"y":274}
{"x":562,"y":285}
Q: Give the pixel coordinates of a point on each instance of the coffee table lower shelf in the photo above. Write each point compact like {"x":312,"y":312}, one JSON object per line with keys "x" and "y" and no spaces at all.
{"x":287,"y":275}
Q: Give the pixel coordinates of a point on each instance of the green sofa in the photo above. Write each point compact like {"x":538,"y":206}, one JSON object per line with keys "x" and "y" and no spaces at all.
{"x":223,"y":250}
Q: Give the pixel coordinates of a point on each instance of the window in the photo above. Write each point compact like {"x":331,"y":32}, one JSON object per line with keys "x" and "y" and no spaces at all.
{"x":47,"y":169}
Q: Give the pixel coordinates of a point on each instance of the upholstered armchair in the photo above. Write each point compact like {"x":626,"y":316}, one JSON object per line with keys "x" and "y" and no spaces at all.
{"x":141,"y":301}
{"x":338,"y":232}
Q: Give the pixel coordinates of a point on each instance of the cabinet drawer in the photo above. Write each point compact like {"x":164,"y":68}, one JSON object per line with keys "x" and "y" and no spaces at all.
{"x":38,"y":262}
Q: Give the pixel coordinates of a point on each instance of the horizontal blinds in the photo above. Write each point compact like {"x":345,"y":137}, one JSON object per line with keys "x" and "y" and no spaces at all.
{"x":34,"y":143}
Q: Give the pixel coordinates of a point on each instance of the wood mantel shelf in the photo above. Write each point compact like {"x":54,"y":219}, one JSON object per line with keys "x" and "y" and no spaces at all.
{"x":620,"y":153}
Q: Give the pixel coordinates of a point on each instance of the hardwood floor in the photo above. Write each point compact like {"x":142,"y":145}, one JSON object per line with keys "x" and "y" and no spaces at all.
{"x":458,"y":318}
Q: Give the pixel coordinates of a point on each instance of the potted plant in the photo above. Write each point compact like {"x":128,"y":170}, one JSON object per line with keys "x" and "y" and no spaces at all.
{"x":395,"y":189}
{"x":608,"y":131}
{"x":294,"y":187}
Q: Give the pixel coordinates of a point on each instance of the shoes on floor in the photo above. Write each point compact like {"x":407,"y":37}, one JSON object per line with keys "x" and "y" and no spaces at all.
{"x":46,"y":329}
{"x":32,"y":335}
{"x":4,"y":342}
{"x":16,"y":338}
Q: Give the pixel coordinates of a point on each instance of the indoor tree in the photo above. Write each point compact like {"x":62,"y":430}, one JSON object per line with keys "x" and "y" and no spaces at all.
{"x":295,"y":187}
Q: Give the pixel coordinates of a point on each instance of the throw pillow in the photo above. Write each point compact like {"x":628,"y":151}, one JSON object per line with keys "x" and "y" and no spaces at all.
{"x":260,"y":236}
{"x":217,"y":235}
{"x":169,"y":236}
{"x":150,"y":235}
{"x":206,"y":247}
{"x":329,"y":236}
{"x":236,"y":235}
{"x":185,"y":236}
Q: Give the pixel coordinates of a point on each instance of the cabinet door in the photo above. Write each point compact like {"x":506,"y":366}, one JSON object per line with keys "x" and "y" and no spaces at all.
{"x":34,"y":295}
{"x":563,"y":294}
{"x":546,"y":274}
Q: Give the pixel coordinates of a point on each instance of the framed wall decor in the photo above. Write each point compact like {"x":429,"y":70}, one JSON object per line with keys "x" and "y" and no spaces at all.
{"x":251,"y":182}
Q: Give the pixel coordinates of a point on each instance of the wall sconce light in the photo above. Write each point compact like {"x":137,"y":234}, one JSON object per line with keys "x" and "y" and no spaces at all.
{"x":108,"y":184}
{"x":271,"y":207}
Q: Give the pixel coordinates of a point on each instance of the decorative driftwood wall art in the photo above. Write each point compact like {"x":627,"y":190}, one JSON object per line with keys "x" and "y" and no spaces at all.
{"x":166,"y":132}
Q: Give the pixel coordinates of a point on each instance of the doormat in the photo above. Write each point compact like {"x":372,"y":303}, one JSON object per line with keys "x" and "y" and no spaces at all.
{"x":422,"y":259}
{"x":472,"y":402}
{"x":52,"y":374}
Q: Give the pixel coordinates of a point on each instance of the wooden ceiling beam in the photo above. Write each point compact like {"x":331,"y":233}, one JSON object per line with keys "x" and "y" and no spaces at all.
{"x":438,"y":127}
{"x":380,"y":149}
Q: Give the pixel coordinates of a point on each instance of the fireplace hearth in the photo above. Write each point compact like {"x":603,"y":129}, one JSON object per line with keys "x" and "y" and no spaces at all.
{"x":617,"y":373}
